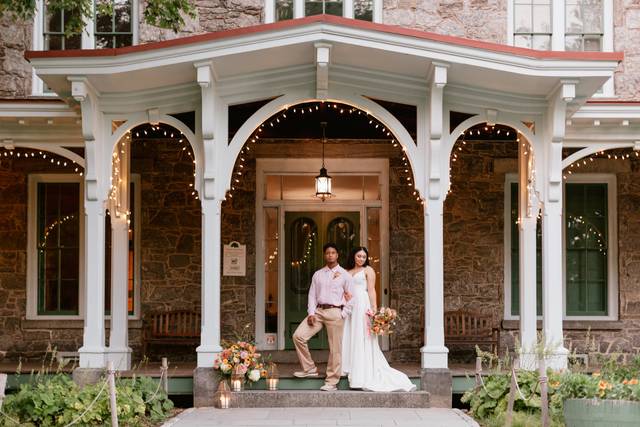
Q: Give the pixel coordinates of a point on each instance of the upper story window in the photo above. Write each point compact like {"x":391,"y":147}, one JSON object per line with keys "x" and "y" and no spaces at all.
{"x":532,"y":24}
{"x":318,"y":7}
{"x":113,"y":23}
{"x":366,"y":10}
{"x":55,"y":23}
{"x":583,"y":25}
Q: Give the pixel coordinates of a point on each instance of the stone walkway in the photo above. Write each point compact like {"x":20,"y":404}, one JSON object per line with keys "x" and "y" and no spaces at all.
{"x":365,"y":417}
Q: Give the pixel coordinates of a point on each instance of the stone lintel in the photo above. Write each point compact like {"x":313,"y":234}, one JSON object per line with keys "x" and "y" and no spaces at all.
{"x":439,"y":383}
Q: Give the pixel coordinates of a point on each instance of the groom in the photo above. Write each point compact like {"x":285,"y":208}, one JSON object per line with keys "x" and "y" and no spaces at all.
{"x":326,"y":306}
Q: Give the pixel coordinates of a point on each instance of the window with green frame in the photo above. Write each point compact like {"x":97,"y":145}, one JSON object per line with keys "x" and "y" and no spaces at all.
{"x":586,"y":231}
{"x":58,"y":225}
{"x":515,"y":258}
{"x":587,"y":235}
{"x":55,"y":25}
{"x":113,"y":23}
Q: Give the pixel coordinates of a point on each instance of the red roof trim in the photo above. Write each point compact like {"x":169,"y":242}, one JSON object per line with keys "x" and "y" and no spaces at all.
{"x":337,"y":20}
{"x":32,"y":100}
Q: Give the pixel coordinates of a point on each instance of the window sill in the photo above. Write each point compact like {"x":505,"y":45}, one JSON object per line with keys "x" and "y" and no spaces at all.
{"x":576,"y":325}
{"x":27,"y":324}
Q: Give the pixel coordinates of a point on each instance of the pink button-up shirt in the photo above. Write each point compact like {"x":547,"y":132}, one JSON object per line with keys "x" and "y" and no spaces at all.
{"x":328,"y":286}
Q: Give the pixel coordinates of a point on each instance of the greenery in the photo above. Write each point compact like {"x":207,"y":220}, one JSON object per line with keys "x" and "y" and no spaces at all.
{"x":614,"y":380}
{"x":55,"y":400}
{"x":168,"y":14}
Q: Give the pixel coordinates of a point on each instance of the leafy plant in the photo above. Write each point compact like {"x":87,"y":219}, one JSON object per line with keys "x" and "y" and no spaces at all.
{"x":55,"y":400}
{"x":168,"y":14}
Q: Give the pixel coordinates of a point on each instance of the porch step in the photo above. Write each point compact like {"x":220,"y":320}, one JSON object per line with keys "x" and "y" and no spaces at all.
{"x":308,"y":384}
{"x":335,"y":399}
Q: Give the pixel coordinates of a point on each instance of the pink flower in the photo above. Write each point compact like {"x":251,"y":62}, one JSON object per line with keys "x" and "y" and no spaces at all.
{"x":243,"y":355}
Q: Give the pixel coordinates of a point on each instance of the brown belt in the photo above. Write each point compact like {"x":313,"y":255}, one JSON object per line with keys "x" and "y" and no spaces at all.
{"x":326,"y":306}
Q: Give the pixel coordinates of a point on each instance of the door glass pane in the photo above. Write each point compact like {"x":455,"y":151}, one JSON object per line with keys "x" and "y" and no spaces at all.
{"x":342,"y":231}
{"x":271,"y":269}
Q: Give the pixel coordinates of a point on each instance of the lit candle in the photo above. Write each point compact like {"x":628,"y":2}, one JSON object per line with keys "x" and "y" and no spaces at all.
{"x":272,"y":383}
{"x":224,"y":402}
{"x":236,"y":385}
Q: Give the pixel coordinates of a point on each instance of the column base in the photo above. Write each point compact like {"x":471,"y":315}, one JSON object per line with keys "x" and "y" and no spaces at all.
{"x":93,"y":357}
{"x":120,"y":357}
{"x":205,"y":384}
{"x":434,"y":357}
{"x":207,"y":355}
{"x":558,"y":359}
{"x":87,"y":376}
{"x":439,"y":384}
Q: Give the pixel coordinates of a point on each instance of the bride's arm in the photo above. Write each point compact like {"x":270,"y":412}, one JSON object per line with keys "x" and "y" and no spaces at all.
{"x":370,"y":274}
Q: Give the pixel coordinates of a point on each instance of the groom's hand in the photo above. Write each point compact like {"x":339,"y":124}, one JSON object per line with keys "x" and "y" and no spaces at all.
{"x":347,"y":296}
{"x":311,"y":320}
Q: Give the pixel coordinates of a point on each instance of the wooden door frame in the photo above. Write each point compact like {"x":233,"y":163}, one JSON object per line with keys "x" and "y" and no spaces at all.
{"x":373,"y":166}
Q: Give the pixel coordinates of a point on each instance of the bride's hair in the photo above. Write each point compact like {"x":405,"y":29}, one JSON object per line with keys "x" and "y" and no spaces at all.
{"x":351,"y":261}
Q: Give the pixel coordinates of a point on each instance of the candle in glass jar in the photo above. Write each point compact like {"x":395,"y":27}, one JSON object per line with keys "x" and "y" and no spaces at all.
{"x":236,"y":385}
{"x":224,"y":402}
{"x":272,"y":383}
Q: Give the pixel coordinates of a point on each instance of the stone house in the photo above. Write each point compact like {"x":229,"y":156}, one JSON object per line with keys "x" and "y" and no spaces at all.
{"x":485,"y":151}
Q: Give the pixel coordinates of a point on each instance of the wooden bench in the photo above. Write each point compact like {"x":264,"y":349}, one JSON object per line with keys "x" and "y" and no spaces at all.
{"x":176,"y":327}
{"x":465,"y":327}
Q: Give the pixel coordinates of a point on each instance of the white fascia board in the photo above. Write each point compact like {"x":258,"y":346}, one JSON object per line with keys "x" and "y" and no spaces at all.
{"x":472,"y":97}
{"x":603,"y":111}
{"x":35,"y":109}
{"x":175,"y":99}
{"x":428,"y":49}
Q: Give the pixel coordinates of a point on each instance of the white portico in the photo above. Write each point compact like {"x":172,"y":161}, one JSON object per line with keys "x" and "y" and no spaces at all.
{"x":325,"y":58}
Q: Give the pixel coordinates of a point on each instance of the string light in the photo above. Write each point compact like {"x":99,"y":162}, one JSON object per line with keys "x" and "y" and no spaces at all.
{"x":21,"y":153}
{"x":616,"y":155}
{"x":341,"y":110}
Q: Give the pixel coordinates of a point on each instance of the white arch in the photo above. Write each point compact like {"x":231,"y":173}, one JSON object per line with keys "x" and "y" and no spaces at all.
{"x":587,"y":151}
{"x":142,"y":118}
{"x":298,"y":97}
{"x":56,"y":149}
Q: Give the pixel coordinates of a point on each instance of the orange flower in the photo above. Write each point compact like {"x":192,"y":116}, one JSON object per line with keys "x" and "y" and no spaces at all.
{"x":603,"y":385}
{"x":555,"y":384}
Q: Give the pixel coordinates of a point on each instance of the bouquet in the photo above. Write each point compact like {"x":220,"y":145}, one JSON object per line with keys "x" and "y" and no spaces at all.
{"x":241,"y":354}
{"x":382,"y":321}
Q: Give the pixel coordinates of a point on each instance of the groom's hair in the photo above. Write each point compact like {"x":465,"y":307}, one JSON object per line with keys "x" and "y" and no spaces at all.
{"x":330,"y":245}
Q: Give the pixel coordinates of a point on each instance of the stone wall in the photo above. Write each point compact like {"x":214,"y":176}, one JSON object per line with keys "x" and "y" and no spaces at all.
{"x":15,"y":71}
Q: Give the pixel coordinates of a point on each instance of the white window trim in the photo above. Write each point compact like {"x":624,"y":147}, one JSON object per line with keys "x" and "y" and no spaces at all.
{"x":32,"y":251}
{"x":32,"y":245}
{"x":88,"y":39}
{"x":298,"y":10}
{"x":612,"y":255}
{"x":264,"y":167}
{"x":558,"y":35}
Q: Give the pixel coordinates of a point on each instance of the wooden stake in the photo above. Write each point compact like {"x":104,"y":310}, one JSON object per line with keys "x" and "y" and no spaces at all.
{"x":3,"y":384}
{"x":544,"y":395}
{"x":478,"y":371}
{"x":165,"y":378}
{"x":512,"y":394}
{"x":112,"y":394}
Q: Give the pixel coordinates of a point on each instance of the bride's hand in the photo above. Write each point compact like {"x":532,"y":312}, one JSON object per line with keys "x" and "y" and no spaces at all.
{"x":347,"y":296}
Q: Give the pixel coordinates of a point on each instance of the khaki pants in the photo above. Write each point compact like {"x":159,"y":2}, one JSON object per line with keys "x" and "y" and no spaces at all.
{"x":331,"y":318}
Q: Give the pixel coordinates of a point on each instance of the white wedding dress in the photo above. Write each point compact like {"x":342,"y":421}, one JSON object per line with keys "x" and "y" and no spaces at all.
{"x":362,"y":358}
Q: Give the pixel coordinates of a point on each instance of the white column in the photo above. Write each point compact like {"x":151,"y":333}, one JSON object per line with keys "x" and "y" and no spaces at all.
{"x":119,"y":350}
{"x":211,"y":259}
{"x":528,"y":315}
{"x":298,"y":9}
{"x":92,"y":353}
{"x":527,"y":217}
{"x":269,"y":11}
{"x":552,"y":285}
{"x":434,"y":353}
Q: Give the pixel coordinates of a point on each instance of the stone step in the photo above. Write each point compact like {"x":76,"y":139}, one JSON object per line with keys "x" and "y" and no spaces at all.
{"x":334,"y":399}
{"x":289,"y":384}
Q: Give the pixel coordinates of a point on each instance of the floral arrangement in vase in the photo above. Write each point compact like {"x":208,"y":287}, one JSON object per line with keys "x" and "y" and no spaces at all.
{"x":382,"y":321}
{"x":240,"y":356}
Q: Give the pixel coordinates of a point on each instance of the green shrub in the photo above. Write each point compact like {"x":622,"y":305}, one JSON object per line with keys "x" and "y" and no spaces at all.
{"x":55,"y":400}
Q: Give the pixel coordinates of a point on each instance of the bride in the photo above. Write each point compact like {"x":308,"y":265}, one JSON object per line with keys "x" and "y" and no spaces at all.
{"x":362,"y":359}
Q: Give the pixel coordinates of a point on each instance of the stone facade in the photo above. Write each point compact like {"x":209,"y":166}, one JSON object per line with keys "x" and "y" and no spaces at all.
{"x":475,"y":19}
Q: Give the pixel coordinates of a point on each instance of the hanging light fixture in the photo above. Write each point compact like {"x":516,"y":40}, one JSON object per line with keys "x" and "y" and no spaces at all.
{"x":323,"y":181}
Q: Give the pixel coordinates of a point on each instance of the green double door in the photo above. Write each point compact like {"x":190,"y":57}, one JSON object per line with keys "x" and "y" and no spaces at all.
{"x":305,"y":234}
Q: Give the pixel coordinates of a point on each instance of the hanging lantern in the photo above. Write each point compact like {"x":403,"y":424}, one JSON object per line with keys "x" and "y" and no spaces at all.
{"x":237,"y":378}
{"x":222,"y":397}
{"x":323,"y":181}
{"x":272,"y":377}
